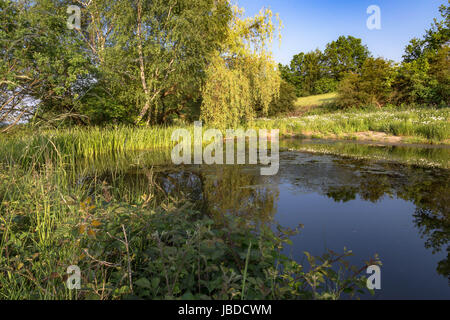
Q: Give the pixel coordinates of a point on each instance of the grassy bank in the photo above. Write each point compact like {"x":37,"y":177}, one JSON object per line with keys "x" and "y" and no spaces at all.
{"x":428,"y":125}
{"x":415,"y":126}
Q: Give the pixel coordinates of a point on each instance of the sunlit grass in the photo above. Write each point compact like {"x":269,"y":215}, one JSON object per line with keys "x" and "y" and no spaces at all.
{"x":428,"y":125}
{"x":317,"y":100}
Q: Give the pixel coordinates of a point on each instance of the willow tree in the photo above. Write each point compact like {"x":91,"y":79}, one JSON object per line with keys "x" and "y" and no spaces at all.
{"x":243,"y":76}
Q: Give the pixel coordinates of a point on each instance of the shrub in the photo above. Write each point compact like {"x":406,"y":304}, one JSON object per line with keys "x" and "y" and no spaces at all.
{"x":371,"y":87}
{"x":285,"y":102}
{"x":425,"y":80}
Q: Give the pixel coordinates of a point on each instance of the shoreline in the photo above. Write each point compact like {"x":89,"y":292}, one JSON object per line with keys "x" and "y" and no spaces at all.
{"x":370,"y":137}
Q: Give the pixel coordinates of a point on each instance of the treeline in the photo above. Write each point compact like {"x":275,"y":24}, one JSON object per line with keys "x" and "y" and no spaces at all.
{"x":136,"y":62}
{"x":318,"y":72}
{"x":149,"y":62}
{"x":346,"y":65}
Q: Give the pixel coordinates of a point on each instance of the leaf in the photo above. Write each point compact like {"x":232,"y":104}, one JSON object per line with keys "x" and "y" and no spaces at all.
{"x":143,"y":283}
{"x":348,"y":290}
{"x":155,"y":283}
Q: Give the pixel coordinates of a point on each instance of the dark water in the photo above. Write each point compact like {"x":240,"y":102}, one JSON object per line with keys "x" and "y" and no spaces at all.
{"x":400,"y":212}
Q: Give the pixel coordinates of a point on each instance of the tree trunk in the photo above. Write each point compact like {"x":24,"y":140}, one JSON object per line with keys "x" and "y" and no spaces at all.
{"x":141,"y":65}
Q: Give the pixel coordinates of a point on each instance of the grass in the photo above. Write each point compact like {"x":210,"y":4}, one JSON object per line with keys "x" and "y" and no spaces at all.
{"x":106,"y":147}
{"x":424,"y":125}
{"x":316,"y":101}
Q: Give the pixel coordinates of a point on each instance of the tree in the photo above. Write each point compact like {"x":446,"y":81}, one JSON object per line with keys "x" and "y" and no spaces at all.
{"x":371,"y":87}
{"x":346,"y":54}
{"x":434,"y":39}
{"x":423,"y":77}
{"x":308,"y":72}
{"x":317,"y":73}
{"x":440,"y":73}
{"x":42,"y":68}
{"x":243,"y":76}
{"x":412,"y":83}
{"x":154,"y":50}
{"x":135,"y":62}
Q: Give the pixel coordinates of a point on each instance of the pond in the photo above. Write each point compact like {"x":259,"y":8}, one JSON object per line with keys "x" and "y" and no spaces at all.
{"x":390,"y":206}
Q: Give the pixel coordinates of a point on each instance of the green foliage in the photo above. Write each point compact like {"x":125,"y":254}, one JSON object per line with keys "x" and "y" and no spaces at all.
{"x":130,"y":62}
{"x":306,"y":70}
{"x":242,"y":77}
{"x":325,"y":85}
{"x":371,"y":87}
{"x":440,"y":75}
{"x":346,"y":54}
{"x":412,"y":82}
{"x":423,"y":77}
{"x":285,"y":103}
{"x":157,"y":54}
{"x":40,"y":62}
{"x":434,"y":39}
{"x":319,"y":72}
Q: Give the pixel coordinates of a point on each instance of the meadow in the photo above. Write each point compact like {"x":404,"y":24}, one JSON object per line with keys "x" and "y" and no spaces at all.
{"x":417,"y":125}
{"x":305,"y":104}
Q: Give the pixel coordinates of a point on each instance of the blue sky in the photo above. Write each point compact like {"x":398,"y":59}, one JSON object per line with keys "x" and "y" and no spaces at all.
{"x":311,"y":24}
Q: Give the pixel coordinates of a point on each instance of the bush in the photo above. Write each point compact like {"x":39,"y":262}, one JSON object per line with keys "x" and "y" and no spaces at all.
{"x":285,"y":103}
{"x":412,"y":83}
{"x":371,"y":87}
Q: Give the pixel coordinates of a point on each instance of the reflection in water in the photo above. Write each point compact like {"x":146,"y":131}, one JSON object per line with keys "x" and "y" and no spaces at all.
{"x":240,"y":190}
{"x":344,"y":180}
